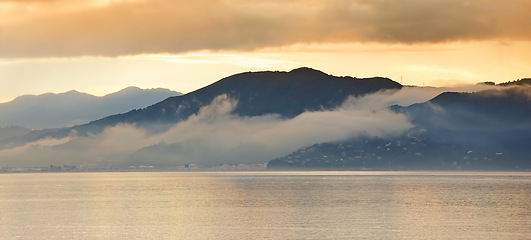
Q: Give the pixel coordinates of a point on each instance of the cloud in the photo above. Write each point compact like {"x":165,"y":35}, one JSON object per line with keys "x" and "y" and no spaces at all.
{"x":217,"y":58}
{"x":117,"y":28}
{"x":30,"y":154}
{"x":214,"y":136}
{"x":523,"y":92}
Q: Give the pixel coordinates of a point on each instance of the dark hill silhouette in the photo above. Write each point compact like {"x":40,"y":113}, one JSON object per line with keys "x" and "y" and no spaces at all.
{"x":523,"y":81}
{"x":258,"y":93}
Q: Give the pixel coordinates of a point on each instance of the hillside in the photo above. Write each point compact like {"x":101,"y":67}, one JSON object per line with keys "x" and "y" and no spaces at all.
{"x":487,"y":130}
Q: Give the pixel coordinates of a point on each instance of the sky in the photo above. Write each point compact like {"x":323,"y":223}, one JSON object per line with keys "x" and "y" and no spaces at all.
{"x":102,"y":46}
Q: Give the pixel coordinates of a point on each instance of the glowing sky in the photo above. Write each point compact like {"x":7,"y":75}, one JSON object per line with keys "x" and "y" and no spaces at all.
{"x":102,"y":46}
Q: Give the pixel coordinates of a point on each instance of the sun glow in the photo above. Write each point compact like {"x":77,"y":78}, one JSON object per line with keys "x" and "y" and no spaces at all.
{"x":259,"y":61}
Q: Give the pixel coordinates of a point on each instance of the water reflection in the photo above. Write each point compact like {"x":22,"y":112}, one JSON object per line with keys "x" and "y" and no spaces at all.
{"x":265,"y":205}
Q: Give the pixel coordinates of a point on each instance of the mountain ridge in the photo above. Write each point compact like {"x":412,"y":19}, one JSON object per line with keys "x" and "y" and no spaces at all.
{"x":302,"y":89}
{"x":51,"y":110}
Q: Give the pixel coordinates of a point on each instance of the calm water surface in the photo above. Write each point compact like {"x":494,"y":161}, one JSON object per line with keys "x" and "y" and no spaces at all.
{"x":265,"y":205}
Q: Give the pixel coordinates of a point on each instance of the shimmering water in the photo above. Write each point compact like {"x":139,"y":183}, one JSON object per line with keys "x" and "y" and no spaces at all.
{"x":265,"y":205}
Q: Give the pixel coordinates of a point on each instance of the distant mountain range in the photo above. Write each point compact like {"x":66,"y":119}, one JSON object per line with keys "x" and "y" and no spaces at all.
{"x":484,"y":130}
{"x":73,"y":108}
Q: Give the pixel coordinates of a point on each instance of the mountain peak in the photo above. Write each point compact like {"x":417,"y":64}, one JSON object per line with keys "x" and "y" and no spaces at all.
{"x":131,"y":88}
{"x":307,"y":70}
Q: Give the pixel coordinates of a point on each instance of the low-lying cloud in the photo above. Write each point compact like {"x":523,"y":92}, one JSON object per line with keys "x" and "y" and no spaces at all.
{"x":61,"y":28}
{"x":214,"y":136}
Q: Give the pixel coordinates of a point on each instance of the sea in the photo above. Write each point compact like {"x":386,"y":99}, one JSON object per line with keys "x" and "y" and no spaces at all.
{"x":265,"y":205}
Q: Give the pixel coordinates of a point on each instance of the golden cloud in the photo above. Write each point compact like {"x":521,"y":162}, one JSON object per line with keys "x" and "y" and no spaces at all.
{"x":45,"y":28}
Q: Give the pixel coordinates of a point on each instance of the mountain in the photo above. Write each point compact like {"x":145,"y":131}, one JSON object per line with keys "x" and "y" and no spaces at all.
{"x":72,"y":108}
{"x":339,"y":123}
{"x":456,"y":114}
{"x":486,"y":130}
{"x":257,"y":93}
{"x":208,"y":126}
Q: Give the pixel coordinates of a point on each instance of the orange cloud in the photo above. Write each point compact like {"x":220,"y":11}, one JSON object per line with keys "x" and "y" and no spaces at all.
{"x":45,"y":28}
